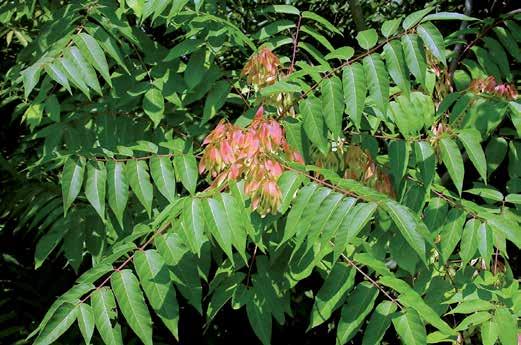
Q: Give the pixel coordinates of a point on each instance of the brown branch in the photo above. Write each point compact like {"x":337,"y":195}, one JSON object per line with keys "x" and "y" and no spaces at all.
{"x":295,"y":45}
{"x":371,"y":280}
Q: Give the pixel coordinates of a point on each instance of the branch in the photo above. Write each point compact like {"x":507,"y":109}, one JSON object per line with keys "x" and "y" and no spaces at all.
{"x":295,"y":45}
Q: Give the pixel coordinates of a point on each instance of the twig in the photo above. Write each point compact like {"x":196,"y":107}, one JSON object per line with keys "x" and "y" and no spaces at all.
{"x":371,"y":280}
{"x":295,"y":45}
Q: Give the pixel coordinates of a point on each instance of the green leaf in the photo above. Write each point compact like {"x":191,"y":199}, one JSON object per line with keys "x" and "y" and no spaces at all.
{"x":298,"y":211}
{"x":447,"y":16}
{"x":358,"y":305}
{"x":85,"y":321}
{"x":74,"y":73}
{"x":193,"y":224}
{"x":410,"y":328}
{"x":139,"y":180}
{"x":215,"y":100}
{"x":289,"y":182}
{"x":453,"y":161}
{"x":94,"y":54}
{"x":154,"y":105}
{"x":408,"y":225}
{"x":72,"y":180}
{"x":451,"y":233}
{"x":415,"y":57}
{"x":470,"y":138}
{"x":95,"y":186}
{"x":332,"y":293}
{"x":396,"y":64}
{"x":489,"y":332}
{"x":508,"y":42}
{"x":56,"y":72}
{"x":354,"y":222}
{"x":87,"y":72}
{"x":342,"y":53}
{"x":333,"y":104}
{"x":389,"y":27}
{"x":314,"y":126}
{"x":495,"y":152}
{"x":469,"y":240}
{"x":378,"y":81}
{"x":237,"y":222}
{"x":498,"y":54}
{"x":415,"y":17}
{"x":426,"y":161}
{"x":183,"y":48}
{"x":322,"y":21}
{"x":288,"y":9}
{"x":30,"y":77}
{"x":104,"y":308}
{"x":162,"y":172}
{"x":398,"y":160}
{"x":186,"y":170}
{"x":109,"y":45}
{"x":183,"y":266}
{"x":433,"y":39}
{"x":485,"y":241}
{"x":474,"y":319}
{"x":260,"y":319}
{"x":355,"y":90}
{"x":117,"y":189}
{"x":132,"y":304}
{"x":367,"y":39}
{"x":506,"y":326}
{"x":58,"y":324}
{"x":378,"y":323}
{"x":215,"y":218}
{"x":509,"y":227}
{"x":154,"y":277}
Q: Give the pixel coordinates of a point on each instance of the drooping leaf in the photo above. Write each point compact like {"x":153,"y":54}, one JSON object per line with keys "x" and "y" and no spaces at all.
{"x":451,"y":233}
{"x":433,"y":39}
{"x":72,"y":180}
{"x":426,"y":160}
{"x":85,"y":321}
{"x":132,"y":304}
{"x":410,"y":328}
{"x":193,"y":224}
{"x":117,"y":188}
{"x":154,"y":277}
{"x":162,"y":172}
{"x":396,"y":64}
{"x":314,"y":125}
{"x":408,"y":225}
{"x":215,"y":218}
{"x":104,"y":308}
{"x":154,"y":105}
{"x":415,"y":57}
{"x":139,"y":181}
{"x":95,"y":186}
{"x":355,"y":90}
{"x":186,"y":170}
{"x":453,"y":161}
{"x":378,"y":323}
{"x":94,"y":54}
{"x":358,"y":305}
{"x":506,"y":326}
{"x":332,"y":293}
{"x":60,"y":322}
{"x":332,"y":104}
{"x":470,"y":138}
{"x":378,"y":81}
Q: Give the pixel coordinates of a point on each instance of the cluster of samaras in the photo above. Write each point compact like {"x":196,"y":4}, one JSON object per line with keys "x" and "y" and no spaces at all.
{"x":358,"y":165}
{"x":250,"y":153}
{"x":490,"y":86}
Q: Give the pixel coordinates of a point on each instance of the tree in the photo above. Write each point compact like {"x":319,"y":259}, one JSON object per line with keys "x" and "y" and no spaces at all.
{"x":174,"y":159}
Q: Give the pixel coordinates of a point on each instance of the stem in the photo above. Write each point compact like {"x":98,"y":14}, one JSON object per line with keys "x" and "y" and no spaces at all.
{"x":295,"y":45}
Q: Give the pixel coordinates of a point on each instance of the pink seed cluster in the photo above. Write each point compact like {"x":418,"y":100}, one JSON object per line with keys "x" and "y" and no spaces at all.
{"x":233,"y":153}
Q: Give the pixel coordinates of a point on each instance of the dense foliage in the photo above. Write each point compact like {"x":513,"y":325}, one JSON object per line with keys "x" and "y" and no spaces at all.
{"x":182,"y":159}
